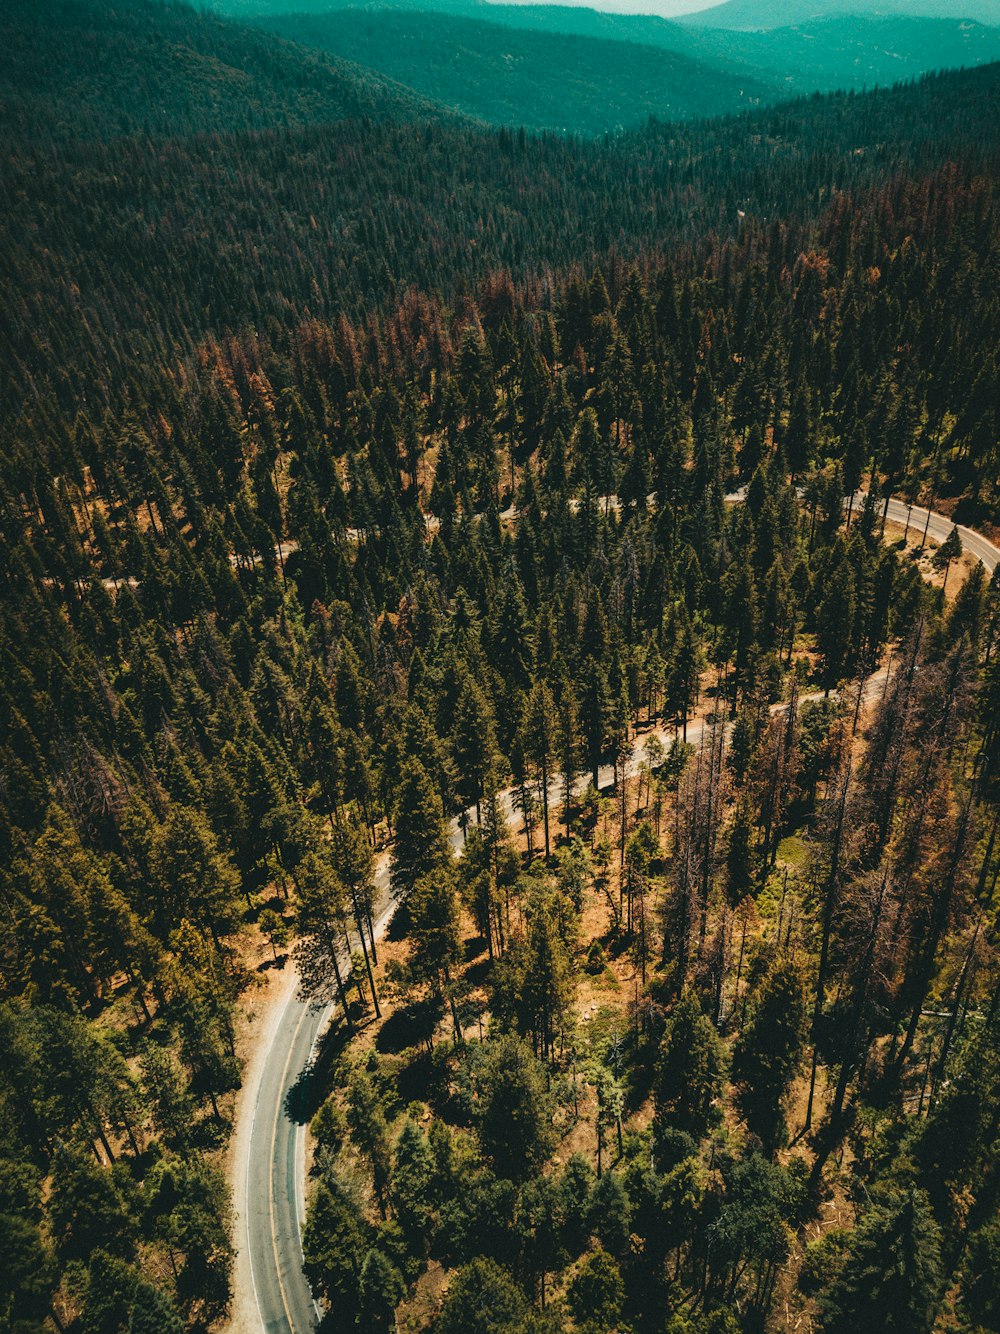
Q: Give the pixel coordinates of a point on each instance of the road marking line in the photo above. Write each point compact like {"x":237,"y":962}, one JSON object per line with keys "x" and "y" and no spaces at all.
{"x":246,"y":1175}
{"x":270,"y":1172}
{"x":299,"y":1184}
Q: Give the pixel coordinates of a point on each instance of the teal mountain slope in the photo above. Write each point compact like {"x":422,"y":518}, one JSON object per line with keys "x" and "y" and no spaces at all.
{"x":512,"y":76}
{"x":749,"y":14}
{"x":550,"y":85}
{"x":92,"y":67}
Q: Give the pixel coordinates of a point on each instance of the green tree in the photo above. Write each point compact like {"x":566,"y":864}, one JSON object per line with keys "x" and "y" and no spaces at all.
{"x":380,"y":1290}
{"x":274,"y":926}
{"x":109,"y":1294}
{"x":597,"y":1292}
{"x":87,"y":1209}
{"x":28,"y":1272}
{"x":194,"y":876}
{"x":153,"y":1312}
{"x":690,"y":1072}
{"x":434,"y":934}
{"x":949,"y":550}
{"x":892,"y":1278}
{"x":748,"y":1235}
{"x":981,"y":1277}
{"x":515,"y":1109}
{"x":369,"y":1130}
{"x":167,"y":1094}
{"x":482,"y":1299}
{"x":320,"y":918}
{"x":421,"y":844}
{"x":413,"y":1173}
{"x":835,"y":623}
{"x":474,"y":743}
{"x":769,"y":1050}
{"x":540,"y":732}
{"x":611,"y":1213}
{"x":335,"y":1241}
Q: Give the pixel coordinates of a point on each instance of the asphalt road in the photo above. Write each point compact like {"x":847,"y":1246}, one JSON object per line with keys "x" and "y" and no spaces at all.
{"x":273,"y":1179}
{"x":270,"y":1176}
{"x":939,"y":526}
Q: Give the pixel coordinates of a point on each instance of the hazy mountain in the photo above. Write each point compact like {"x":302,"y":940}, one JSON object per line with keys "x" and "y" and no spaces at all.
{"x":759,"y":14}
{"x":536,"y":76}
{"x":70,"y":66}
{"x":852,"y":52}
{"x":542,"y":80}
{"x":837,"y":52}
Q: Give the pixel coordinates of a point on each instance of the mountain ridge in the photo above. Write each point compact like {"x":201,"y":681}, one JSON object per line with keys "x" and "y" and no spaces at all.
{"x":506,"y":75}
{"x":766,"y":14}
{"x":69,"y":67}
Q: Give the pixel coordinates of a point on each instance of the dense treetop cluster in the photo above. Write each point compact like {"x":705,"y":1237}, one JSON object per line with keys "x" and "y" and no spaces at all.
{"x":355,"y":474}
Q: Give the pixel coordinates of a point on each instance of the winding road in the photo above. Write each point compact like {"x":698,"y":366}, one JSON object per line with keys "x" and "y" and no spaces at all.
{"x":271,"y":1291}
{"x":939,"y":526}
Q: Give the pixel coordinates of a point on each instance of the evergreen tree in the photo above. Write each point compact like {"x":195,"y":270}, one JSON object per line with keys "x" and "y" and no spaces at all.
{"x":421,"y":844}
{"x":690,"y":1073}
{"x":482,"y":1299}
{"x":768,"y":1051}
{"x":335,"y":1242}
{"x":380,"y":1290}
{"x":515,"y":1109}
{"x":597,"y":1292}
{"x":892,"y":1276}
{"x":320,"y":919}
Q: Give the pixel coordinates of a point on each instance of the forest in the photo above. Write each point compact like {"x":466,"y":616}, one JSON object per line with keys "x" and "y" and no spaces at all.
{"x":573,"y":68}
{"x":324,"y":530}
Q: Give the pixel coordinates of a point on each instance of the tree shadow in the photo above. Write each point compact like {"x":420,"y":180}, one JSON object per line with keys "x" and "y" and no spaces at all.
{"x":477,"y":974}
{"x":208,"y":1133}
{"x":414,"y":1079}
{"x":410,"y":1026}
{"x":474,"y":946}
{"x":399,"y":923}
{"x":305,"y":1097}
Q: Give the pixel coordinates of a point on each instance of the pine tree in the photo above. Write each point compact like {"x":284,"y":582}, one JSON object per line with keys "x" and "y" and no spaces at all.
{"x":421,"y":844}
{"x":321,"y":915}
{"x":597,"y":1292}
{"x":515,"y":1111}
{"x":153,"y":1312}
{"x":690,"y":1072}
{"x":835,"y":624}
{"x":380,"y":1290}
{"x":482,"y":1297}
{"x":892,"y":1277}
{"x":335,"y":1241}
{"x":434,"y":934}
{"x":949,"y":550}
{"x":539,"y":744}
{"x":769,"y":1050}
{"x":413,"y":1175}
{"x":369,"y":1130}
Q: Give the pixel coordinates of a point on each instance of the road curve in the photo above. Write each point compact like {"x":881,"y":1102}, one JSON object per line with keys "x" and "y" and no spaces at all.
{"x":939,"y":526}
{"x":270,"y":1156}
{"x":270,"y":1152}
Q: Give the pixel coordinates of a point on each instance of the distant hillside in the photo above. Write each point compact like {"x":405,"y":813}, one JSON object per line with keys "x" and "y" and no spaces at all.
{"x":263,"y":230}
{"x":819,"y":56}
{"x":509,"y":76}
{"x":850,"y":52}
{"x":84,"y":67}
{"x":751,"y":14}
{"x":664,"y":9}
